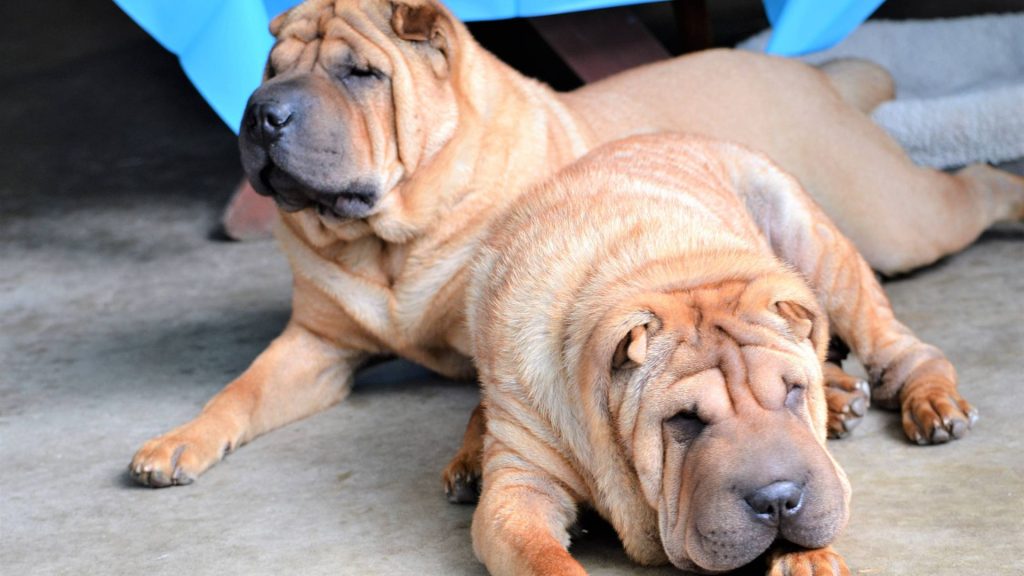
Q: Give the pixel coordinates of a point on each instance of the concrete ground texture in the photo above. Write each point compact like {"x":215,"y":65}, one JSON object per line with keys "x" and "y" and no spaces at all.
{"x":121,"y":313}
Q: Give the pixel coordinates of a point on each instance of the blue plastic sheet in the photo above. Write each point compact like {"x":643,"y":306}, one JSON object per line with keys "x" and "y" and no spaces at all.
{"x":223,"y":44}
{"x":802,"y":26}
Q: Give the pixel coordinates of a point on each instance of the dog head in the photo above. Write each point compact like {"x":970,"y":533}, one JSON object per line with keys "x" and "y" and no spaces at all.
{"x":715,"y":397}
{"x":356,"y":95}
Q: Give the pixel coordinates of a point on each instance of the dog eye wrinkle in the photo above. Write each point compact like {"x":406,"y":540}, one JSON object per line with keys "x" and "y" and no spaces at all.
{"x":685,"y":426}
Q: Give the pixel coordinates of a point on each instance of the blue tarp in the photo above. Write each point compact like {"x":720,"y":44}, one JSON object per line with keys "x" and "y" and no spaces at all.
{"x":223,"y":44}
{"x":802,"y":26}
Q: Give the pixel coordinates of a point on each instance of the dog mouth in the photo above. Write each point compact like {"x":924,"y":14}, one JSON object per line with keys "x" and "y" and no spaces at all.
{"x":356,"y":200}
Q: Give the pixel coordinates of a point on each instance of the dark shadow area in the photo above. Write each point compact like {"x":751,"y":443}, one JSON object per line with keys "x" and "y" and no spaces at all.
{"x":99,"y":118}
{"x":516,"y":43}
{"x":396,"y":375}
{"x":915,"y":273}
{"x":1002,"y":234}
{"x":124,"y":481}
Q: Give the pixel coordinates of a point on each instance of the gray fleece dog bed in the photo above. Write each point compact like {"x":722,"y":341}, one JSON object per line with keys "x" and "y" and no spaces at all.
{"x":959,"y":84}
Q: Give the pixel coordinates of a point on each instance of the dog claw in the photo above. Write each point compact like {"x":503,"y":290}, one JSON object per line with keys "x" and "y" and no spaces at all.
{"x":175,"y":459}
{"x":858,"y":407}
{"x":848,"y":401}
{"x":959,"y":429}
{"x":939,"y":435}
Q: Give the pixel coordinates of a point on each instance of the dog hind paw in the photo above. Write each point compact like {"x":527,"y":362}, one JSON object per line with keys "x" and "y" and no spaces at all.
{"x":461,"y":480}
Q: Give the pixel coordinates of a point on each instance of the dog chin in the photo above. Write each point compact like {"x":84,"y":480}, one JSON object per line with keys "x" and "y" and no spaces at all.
{"x":353,"y":201}
{"x":687,"y":565}
{"x":720,"y":550}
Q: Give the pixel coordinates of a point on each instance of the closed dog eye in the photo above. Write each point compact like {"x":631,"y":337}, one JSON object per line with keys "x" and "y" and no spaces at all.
{"x":794,"y":394}
{"x":685,"y":426}
{"x":353,"y":76}
{"x":362,"y":73}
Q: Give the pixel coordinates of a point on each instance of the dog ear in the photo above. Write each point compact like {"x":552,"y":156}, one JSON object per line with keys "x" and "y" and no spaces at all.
{"x":632,"y":348}
{"x":278,"y":22}
{"x":800,"y":319}
{"x":805,"y":322}
{"x":425,"y":22}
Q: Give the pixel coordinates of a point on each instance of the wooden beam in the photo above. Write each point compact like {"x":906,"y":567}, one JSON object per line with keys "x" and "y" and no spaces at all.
{"x":599,"y":43}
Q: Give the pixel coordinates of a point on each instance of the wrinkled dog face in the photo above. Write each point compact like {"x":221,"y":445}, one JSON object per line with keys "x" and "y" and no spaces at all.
{"x":717,"y":396}
{"x":337,"y":122}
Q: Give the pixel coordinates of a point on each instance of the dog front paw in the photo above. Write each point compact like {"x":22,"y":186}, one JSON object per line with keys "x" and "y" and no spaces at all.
{"x":848,"y":398}
{"x":178,"y":457}
{"x":800,"y":562}
{"x":936,"y":414}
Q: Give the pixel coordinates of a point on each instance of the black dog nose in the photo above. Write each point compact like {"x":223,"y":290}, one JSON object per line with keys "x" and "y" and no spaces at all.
{"x":268,"y":120}
{"x":776,"y":502}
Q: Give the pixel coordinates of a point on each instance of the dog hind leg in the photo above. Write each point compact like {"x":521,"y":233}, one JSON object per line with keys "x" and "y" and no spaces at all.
{"x":902,"y":216}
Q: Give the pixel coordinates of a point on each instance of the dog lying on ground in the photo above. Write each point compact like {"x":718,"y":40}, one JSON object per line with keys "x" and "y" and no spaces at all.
{"x":649,"y":328}
{"x":391,"y":140}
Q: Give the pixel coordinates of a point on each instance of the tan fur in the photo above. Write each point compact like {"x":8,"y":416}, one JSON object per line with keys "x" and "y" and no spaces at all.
{"x":863,"y":84}
{"x":782,"y":562}
{"x":734,"y":276}
{"x":454,"y":135}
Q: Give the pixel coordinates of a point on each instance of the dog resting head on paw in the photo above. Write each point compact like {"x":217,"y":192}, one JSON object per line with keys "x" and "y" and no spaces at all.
{"x":714,"y":393}
{"x":642,"y":351}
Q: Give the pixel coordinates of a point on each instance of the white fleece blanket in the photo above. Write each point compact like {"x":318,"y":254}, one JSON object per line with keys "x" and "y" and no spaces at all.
{"x":959,"y":84}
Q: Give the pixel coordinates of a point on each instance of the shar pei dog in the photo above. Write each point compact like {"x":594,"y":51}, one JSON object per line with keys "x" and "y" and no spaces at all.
{"x":391,"y":140}
{"x":650,"y":327}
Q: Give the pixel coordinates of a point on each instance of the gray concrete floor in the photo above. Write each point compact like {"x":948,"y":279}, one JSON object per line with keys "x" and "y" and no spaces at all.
{"x":121,"y":314}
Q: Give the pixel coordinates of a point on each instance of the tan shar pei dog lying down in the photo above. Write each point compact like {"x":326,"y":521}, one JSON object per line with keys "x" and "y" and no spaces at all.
{"x":650,"y":328}
{"x":391,"y":140}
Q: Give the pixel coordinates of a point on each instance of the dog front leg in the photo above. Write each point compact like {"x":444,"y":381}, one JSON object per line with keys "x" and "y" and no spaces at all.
{"x":520,"y":527}
{"x":905,"y":372}
{"x":299,"y":374}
